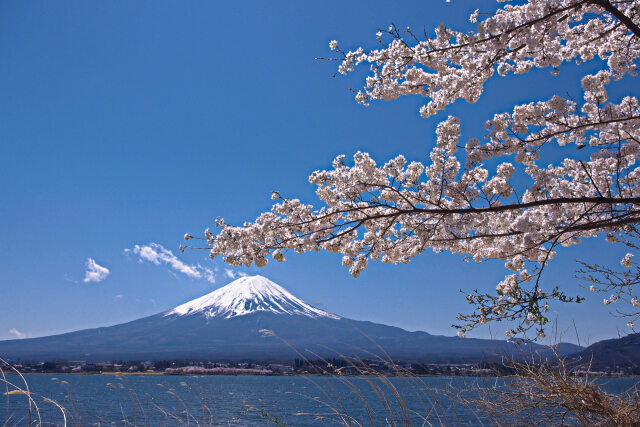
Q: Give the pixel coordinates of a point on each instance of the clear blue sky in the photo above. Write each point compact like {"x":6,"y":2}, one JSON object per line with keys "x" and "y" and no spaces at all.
{"x":126,"y":123}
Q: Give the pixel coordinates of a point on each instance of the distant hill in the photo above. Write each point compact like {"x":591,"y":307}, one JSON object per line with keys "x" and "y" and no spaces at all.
{"x":229,"y":323}
{"x":611,"y":355}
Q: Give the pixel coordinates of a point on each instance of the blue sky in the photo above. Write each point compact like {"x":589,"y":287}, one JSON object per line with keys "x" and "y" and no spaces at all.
{"x":129,"y":123}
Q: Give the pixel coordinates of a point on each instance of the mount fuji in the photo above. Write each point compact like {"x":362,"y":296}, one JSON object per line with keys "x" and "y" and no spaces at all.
{"x":238,"y":321}
{"x":245,"y":296}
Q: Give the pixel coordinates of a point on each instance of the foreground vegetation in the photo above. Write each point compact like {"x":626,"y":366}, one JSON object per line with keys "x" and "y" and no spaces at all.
{"x":528,"y":393}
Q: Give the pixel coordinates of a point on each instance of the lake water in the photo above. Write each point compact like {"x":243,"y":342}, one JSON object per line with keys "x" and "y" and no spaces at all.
{"x":248,"y":400}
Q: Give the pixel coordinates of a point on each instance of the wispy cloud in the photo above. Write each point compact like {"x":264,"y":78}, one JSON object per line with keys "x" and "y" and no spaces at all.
{"x":68,"y":279}
{"x":231,"y":274}
{"x":159,"y":255}
{"x":208,"y":273}
{"x":95,"y":272}
{"x":17,"y":333}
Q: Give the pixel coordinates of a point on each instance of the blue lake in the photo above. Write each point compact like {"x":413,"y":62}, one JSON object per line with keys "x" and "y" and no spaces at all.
{"x":248,"y":400}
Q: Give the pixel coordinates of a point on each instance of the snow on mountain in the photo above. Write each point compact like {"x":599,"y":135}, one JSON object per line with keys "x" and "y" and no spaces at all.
{"x":248,"y":295}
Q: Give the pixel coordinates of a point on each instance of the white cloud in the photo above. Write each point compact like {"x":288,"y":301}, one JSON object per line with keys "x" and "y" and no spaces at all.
{"x":233,"y":274}
{"x":17,"y":333}
{"x":158,"y":255}
{"x":208,"y":274}
{"x":119,"y":296}
{"x":95,"y":273}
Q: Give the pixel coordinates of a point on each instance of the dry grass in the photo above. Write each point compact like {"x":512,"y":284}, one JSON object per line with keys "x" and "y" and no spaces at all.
{"x":32,"y":415}
{"x":128,"y":409}
{"x":399,"y":399}
{"x":552,"y":393}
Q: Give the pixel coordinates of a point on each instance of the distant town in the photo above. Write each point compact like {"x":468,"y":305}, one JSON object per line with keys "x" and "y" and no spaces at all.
{"x":206,"y":367}
{"x":333,"y":367}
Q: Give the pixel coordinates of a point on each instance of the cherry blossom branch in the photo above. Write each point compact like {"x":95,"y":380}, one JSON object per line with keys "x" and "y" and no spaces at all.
{"x":624,"y":19}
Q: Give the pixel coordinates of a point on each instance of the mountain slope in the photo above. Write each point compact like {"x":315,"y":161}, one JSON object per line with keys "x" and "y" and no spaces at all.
{"x":248,"y":295}
{"x":611,"y":354}
{"x":228,"y":324}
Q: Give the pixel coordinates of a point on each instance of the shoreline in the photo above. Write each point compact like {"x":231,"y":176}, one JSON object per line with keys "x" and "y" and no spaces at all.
{"x":162,"y":374}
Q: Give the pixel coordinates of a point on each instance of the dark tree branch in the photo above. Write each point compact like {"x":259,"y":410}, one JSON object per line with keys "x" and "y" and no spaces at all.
{"x":606,"y":5}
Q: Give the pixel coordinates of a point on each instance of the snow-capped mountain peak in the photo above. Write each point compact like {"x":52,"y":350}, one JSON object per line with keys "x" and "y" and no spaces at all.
{"x":247,"y":295}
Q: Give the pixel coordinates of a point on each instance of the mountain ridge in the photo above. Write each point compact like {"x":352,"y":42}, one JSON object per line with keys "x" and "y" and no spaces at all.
{"x":227,"y":324}
{"x":610,"y":354}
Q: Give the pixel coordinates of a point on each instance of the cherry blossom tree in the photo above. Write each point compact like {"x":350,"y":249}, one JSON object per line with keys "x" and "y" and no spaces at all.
{"x":520,"y":212}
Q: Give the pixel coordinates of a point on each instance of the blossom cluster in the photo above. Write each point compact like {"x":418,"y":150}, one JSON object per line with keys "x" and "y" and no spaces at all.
{"x":405,"y":208}
{"x":455,"y":65}
{"x":619,"y":285}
